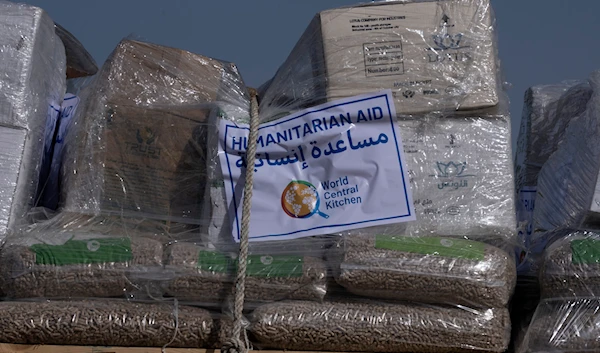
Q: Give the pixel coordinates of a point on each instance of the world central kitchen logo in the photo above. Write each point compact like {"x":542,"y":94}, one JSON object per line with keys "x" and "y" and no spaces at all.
{"x":145,"y":144}
{"x":452,"y":170}
{"x":447,"y":45}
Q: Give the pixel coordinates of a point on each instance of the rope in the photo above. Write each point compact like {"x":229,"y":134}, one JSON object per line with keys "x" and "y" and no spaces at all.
{"x":235,"y":344}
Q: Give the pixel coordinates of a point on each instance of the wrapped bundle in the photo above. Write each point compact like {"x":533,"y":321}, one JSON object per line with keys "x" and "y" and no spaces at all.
{"x":564,"y":326}
{"x":427,"y":269}
{"x":461,"y":176}
{"x":547,"y":112}
{"x":571,"y":266}
{"x":207,"y":276}
{"x":104,"y":323}
{"x":78,"y":266}
{"x":367,"y":327}
{"x":137,"y":145}
{"x":433,"y":55}
{"x":567,"y":194}
{"x":33,"y":81}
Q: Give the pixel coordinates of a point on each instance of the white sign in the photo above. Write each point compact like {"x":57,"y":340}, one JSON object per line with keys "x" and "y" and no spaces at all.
{"x":334,"y":167}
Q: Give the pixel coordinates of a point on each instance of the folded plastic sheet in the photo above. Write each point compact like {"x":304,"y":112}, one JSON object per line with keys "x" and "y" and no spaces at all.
{"x":32,"y":63}
{"x":567,"y":192}
{"x":79,"y":61}
{"x":564,"y":325}
{"x":105,"y":323}
{"x":379,"y":327}
{"x":433,"y":55}
{"x":427,"y":269}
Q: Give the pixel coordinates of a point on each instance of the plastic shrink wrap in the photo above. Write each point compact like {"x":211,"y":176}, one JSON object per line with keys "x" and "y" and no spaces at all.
{"x":33,"y":84}
{"x":80,"y":62}
{"x":207,"y":276}
{"x":571,"y":265}
{"x":434,"y":55}
{"x":105,"y":323}
{"x":134,"y":174}
{"x":140,"y":138}
{"x":80,"y":69}
{"x":428,"y":269}
{"x":362,"y":326}
{"x":567,"y":195}
{"x":564,"y":325}
{"x":81,"y":259}
{"x":461,"y":176}
{"x":460,"y":162}
{"x":547,"y":112}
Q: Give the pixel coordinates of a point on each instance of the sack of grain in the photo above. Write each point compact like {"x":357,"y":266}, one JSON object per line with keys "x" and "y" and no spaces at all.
{"x":78,"y":266}
{"x":104,"y":323}
{"x":571,"y":325}
{"x":379,"y":327}
{"x":571,"y":265}
{"x":32,"y":86}
{"x":207,"y":276}
{"x":437,"y":270}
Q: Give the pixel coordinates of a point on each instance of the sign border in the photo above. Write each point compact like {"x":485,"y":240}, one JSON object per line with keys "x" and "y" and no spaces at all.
{"x":300,"y":115}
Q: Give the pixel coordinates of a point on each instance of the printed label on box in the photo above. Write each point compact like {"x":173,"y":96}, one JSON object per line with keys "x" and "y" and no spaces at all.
{"x":334,"y":167}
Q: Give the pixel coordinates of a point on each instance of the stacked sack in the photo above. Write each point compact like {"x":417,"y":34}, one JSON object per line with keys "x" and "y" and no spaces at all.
{"x":132,"y":177}
{"x":441,"y":283}
{"x":566,"y":318}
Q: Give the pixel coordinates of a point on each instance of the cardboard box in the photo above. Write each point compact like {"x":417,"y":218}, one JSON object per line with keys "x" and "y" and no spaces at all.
{"x":139,"y":145}
{"x":433,"y":55}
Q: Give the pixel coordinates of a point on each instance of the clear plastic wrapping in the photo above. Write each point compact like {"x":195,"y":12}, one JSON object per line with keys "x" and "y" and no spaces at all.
{"x":137,"y":147}
{"x":547,"y":111}
{"x":447,"y":270}
{"x":33,"y":78}
{"x":73,"y":264}
{"x":567,"y":185}
{"x":79,"y":62}
{"x":434,"y":55}
{"x":207,"y":276}
{"x":105,"y":323}
{"x":564,"y":326}
{"x":461,"y":177}
{"x":379,"y":327}
{"x":571,"y":265}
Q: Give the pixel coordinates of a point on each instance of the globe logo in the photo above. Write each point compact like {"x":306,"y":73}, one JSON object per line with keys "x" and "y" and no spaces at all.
{"x":300,"y":199}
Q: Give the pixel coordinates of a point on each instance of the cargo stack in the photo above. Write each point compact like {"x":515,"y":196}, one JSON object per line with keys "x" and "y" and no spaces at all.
{"x":132,"y":177}
{"x":565,"y":240}
{"x":444,"y":281}
{"x":144,"y":229}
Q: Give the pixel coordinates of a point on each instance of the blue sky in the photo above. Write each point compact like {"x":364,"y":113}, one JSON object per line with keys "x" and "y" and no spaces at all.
{"x":541,"y":41}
